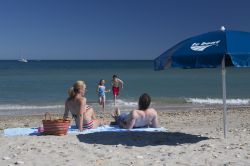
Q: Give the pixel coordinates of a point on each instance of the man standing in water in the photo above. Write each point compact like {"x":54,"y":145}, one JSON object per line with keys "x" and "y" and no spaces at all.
{"x":116,"y":84}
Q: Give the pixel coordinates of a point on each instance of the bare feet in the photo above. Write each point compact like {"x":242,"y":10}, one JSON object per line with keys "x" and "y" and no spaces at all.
{"x":116,"y":113}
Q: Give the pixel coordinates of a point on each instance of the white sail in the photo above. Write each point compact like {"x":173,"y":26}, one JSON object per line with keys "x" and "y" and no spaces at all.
{"x":23,"y":60}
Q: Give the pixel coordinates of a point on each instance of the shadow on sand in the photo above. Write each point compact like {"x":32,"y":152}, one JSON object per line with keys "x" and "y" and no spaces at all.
{"x":140,"y":139}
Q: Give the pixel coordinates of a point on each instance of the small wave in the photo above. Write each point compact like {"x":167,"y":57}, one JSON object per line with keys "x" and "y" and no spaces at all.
{"x":218,"y":101}
{"x":27,"y":107}
{"x":120,"y":102}
{"x":126,"y":103}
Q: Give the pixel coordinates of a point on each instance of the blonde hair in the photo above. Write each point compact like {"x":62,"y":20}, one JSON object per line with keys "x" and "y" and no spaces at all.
{"x":72,"y":91}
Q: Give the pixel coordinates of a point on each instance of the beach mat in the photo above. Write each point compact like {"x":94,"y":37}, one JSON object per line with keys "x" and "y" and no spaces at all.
{"x":74,"y":130}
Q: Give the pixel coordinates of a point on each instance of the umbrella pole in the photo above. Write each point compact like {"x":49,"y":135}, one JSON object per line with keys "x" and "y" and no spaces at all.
{"x":224,"y":96}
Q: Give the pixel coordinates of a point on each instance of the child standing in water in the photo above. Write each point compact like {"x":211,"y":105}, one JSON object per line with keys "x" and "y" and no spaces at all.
{"x":101,"y":90}
{"x":116,"y":84}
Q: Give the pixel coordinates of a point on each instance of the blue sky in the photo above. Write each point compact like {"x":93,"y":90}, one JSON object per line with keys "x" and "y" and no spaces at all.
{"x":110,"y":29}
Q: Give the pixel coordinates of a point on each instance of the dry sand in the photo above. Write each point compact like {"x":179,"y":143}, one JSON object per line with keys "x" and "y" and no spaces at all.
{"x":194,"y":138}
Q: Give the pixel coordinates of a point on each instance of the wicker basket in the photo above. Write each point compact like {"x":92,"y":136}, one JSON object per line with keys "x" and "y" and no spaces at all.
{"x":57,"y":127}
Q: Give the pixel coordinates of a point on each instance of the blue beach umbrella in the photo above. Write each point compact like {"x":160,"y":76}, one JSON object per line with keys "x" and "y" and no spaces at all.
{"x":209,"y":50}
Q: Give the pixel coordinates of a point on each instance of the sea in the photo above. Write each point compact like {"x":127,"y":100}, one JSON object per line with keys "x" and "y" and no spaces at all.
{"x":41,"y":86}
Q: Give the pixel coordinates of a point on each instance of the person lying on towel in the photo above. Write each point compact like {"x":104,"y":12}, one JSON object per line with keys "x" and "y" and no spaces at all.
{"x":83,"y":114}
{"x":141,"y":117}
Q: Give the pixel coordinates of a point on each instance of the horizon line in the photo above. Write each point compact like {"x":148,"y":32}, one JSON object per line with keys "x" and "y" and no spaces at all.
{"x":80,"y":59}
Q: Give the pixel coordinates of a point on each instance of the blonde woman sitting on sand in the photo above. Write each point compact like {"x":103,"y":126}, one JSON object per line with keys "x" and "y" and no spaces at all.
{"x":76,"y":104}
{"x":141,"y":117}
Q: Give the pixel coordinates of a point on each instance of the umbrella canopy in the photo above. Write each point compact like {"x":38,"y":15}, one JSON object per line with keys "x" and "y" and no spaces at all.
{"x":209,"y":50}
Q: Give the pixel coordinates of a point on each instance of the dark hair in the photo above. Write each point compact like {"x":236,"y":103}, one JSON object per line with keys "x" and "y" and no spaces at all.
{"x":100,"y":82}
{"x":144,"y":101}
{"x":115,"y":76}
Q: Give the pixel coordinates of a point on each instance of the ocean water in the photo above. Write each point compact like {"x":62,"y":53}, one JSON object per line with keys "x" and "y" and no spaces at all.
{"x":40,"y":86}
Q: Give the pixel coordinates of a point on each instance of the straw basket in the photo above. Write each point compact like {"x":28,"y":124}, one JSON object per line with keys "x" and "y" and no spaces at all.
{"x":55,"y":127}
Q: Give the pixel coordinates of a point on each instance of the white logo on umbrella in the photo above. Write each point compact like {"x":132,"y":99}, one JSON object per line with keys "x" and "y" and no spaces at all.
{"x":202,"y":46}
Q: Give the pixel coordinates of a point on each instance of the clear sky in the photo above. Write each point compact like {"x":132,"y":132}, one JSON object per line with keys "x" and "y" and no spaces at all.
{"x":110,"y":29}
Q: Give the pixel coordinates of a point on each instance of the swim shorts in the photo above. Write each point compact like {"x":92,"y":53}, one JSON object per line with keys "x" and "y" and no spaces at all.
{"x":115,"y":91}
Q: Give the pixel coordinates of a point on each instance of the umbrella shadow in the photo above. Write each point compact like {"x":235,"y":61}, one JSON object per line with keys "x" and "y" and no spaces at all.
{"x":140,"y":139}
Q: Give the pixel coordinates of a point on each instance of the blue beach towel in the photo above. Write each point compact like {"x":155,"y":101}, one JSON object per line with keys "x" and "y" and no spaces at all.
{"x":74,"y":130}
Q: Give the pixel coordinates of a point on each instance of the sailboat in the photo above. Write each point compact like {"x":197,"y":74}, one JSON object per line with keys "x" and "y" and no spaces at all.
{"x":23,"y":60}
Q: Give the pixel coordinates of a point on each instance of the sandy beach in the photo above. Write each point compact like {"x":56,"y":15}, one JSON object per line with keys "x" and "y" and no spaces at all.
{"x":194,"y":138}
{"x":185,"y":59}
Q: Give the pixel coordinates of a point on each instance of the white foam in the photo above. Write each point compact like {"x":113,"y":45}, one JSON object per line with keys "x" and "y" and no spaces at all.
{"x":28,"y":107}
{"x":126,"y":103}
{"x":120,"y":102}
{"x":218,"y":101}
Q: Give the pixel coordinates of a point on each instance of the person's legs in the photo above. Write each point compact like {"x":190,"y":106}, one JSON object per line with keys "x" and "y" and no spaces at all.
{"x":115,"y":93}
{"x":115,"y":100}
{"x":100,"y":100}
{"x":96,"y":122}
{"x":119,"y":117}
{"x":90,"y":114}
{"x":103,"y":103}
{"x":116,"y":113}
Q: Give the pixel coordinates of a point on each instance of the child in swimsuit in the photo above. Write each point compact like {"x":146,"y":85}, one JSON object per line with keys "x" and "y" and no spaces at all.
{"x":116,"y":84}
{"x":101,"y":90}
